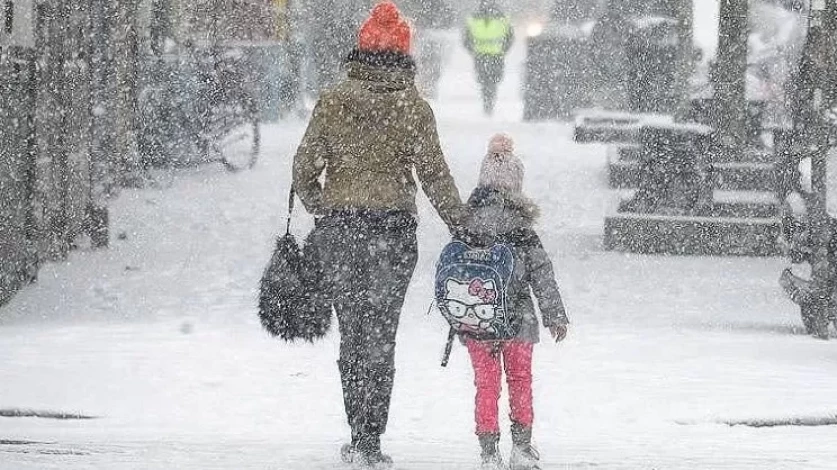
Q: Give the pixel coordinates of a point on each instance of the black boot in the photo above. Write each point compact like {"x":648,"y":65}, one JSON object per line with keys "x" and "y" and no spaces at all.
{"x":352,"y":402}
{"x":490,"y":457}
{"x":369,"y":453}
{"x":521,"y":435}
{"x":378,"y":381}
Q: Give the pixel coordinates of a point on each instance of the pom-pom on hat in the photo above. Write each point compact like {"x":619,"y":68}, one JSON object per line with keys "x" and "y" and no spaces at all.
{"x":385,"y":30}
{"x":501,"y":169}
{"x":501,"y":144}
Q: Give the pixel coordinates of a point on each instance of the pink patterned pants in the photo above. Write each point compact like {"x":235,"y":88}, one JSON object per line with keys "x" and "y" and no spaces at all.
{"x":517,"y":358}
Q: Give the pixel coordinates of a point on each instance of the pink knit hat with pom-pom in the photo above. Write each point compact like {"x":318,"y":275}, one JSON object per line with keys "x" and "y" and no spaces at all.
{"x":501,"y":169}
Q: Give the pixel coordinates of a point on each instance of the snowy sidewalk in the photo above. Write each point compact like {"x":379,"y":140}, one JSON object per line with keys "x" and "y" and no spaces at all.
{"x":158,"y":338}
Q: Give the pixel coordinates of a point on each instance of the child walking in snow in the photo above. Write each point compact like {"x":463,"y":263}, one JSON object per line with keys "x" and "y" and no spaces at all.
{"x":499,"y":212}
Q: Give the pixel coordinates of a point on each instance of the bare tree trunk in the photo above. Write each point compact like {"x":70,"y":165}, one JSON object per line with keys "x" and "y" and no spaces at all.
{"x":125,"y":44}
{"x":114,"y":159}
{"x":159,"y":24}
{"x":815,"y":94}
{"x":824,"y":30}
{"x":823,"y":73}
{"x":729,"y":76}
{"x":686,"y":65}
{"x":52,"y":154}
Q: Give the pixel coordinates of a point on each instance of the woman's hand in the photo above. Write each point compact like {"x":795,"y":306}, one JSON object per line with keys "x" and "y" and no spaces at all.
{"x":559,"y":332}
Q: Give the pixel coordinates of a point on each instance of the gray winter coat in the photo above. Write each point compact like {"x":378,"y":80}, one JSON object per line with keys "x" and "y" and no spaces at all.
{"x":496,"y":216}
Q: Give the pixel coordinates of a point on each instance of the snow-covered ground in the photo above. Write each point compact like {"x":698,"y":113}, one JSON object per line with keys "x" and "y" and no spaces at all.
{"x":158,"y":338}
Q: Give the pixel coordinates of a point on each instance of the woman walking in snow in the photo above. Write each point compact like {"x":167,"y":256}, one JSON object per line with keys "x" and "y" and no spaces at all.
{"x":366,"y":137}
{"x":500,"y":213}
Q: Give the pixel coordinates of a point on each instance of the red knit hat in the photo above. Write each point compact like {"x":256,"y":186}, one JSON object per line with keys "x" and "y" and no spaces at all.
{"x":385,"y":31}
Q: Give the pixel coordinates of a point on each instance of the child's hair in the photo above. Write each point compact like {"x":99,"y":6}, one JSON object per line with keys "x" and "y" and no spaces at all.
{"x":501,"y":169}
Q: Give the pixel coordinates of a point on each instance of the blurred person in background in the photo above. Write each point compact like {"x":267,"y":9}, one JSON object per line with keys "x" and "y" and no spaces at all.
{"x":488,"y":36}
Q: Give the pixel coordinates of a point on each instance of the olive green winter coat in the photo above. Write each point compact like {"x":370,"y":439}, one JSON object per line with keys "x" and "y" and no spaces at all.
{"x":365,"y":139}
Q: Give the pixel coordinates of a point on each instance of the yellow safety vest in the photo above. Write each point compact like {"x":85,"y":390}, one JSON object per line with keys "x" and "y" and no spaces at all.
{"x":280,"y":8}
{"x":488,"y":35}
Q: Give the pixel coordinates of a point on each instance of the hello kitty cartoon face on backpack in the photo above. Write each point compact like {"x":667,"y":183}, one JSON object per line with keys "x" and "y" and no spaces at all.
{"x":475,"y":305}
{"x":471,"y":288}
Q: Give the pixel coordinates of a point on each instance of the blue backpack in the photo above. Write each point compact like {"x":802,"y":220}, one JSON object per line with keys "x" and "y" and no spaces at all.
{"x":471,"y":290}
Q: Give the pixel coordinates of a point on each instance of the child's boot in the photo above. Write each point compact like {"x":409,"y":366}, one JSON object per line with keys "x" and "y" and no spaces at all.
{"x":523,"y":455}
{"x":490,"y":458}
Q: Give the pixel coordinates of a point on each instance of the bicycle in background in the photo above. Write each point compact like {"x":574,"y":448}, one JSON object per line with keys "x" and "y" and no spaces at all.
{"x":198,"y":107}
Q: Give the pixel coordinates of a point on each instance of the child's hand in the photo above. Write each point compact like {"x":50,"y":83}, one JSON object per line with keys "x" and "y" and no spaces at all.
{"x":559,"y":332}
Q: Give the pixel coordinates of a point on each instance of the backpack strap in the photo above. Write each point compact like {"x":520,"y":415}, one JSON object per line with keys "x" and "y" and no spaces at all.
{"x":448,"y":347}
{"x":291,"y":198}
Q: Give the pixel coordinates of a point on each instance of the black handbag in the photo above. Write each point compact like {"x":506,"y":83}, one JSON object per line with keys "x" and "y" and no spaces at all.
{"x":292,"y":304}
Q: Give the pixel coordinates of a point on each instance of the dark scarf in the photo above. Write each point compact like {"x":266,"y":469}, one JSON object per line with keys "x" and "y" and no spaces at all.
{"x":383,"y":59}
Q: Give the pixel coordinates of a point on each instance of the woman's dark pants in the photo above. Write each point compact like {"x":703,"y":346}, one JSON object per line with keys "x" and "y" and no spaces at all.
{"x":368,"y":260}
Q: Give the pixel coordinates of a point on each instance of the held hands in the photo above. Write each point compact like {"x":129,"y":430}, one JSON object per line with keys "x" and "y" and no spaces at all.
{"x":558,"y":332}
